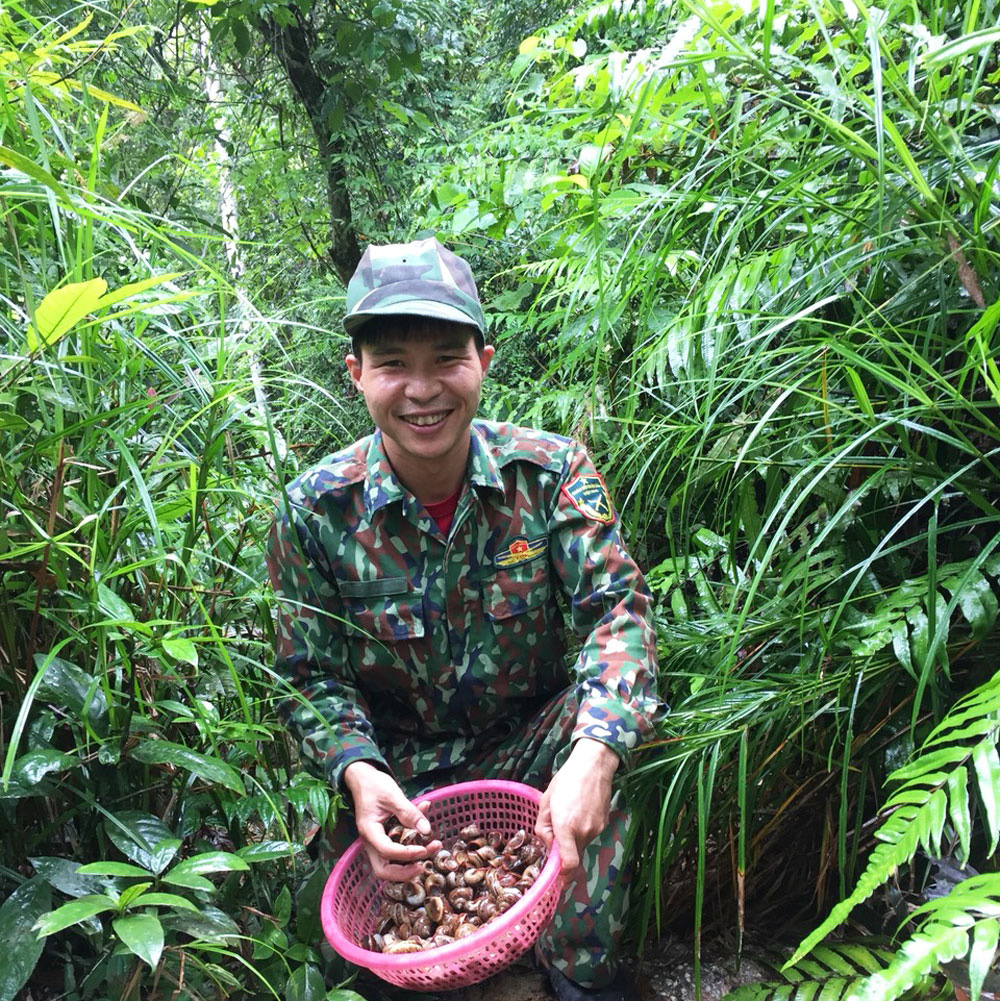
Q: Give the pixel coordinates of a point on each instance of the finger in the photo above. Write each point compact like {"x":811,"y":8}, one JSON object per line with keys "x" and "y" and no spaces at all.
{"x":569,"y":855}
{"x":392,"y":871}
{"x":375,"y":837}
{"x":543,"y":822}
{"x":411,"y":815}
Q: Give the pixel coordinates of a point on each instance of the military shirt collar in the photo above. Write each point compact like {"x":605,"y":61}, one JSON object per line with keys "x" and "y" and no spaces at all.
{"x":484,"y":471}
{"x":382,"y":487}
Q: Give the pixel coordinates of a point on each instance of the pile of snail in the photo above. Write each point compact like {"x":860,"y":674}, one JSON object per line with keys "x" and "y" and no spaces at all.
{"x":472,"y":879}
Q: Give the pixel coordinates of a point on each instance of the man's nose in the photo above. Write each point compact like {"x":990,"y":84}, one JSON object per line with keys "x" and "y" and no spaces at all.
{"x":423,"y":386}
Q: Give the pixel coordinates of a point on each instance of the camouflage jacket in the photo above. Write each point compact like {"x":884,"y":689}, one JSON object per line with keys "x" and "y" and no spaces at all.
{"x":414,"y":650}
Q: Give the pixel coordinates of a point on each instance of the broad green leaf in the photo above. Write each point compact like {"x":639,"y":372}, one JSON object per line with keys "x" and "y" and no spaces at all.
{"x":305,"y":984}
{"x":143,"y":935}
{"x":74,"y":912}
{"x":131,"y":893}
{"x":190,"y":880}
{"x":143,"y":838}
{"x":112,"y":869}
{"x":157,"y":899}
{"x":209,"y":862}
{"x":61,"y":310}
{"x":210,"y":925}
{"x":183,"y":650}
{"x":163,"y":752}
{"x":282,"y":906}
{"x":342,"y":994}
{"x":263,"y":851}
{"x":21,"y":946}
{"x":68,"y":686}
{"x":241,"y":36}
{"x":31,"y":768}
{"x":64,"y":875}
{"x":113,"y":606}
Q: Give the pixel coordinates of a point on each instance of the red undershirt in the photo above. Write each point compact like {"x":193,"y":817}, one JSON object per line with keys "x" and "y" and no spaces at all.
{"x":444,"y":511}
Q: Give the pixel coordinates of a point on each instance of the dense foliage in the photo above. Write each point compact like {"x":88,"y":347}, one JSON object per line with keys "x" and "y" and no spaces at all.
{"x":748,"y":253}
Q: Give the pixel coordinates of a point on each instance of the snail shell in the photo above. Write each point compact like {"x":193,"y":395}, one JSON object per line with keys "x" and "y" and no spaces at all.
{"x":398,"y":948}
{"x":414,"y":893}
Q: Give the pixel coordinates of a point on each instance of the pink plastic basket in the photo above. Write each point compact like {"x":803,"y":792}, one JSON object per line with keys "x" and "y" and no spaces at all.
{"x":353,"y":893}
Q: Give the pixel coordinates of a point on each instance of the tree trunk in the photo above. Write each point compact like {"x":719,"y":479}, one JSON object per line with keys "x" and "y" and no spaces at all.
{"x":230,"y":219}
{"x":291,"y":43}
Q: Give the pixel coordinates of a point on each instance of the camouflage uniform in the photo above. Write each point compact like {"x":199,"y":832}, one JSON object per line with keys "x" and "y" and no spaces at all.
{"x":444,"y":658}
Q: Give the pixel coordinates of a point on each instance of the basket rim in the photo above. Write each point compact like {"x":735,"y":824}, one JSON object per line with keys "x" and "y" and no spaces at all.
{"x":455,"y":951}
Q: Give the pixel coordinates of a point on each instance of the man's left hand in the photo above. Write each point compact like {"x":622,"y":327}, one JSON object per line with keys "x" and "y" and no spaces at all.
{"x":574,"y":807}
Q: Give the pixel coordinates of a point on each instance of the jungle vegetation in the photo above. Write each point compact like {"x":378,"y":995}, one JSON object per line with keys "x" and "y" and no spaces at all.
{"x":747,"y":251}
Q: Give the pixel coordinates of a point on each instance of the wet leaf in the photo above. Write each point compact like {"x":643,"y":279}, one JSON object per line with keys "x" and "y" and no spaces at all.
{"x":209,"y":862}
{"x":210,"y":925}
{"x":263,"y":851}
{"x":64,"y":875}
{"x":111,"y":869}
{"x":69,"y":687}
{"x":22,"y":947}
{"x":31,"y":768}
{"x":163,"y":752}
{"x":183,"y":650}
{"x":143,"y":838}
{"x":305,"y":984}
{"x":74,"y":912}
{"x":143,"y":935}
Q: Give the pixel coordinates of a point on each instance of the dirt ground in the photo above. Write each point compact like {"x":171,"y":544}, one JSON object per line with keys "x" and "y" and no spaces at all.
{"x":665,"y":973}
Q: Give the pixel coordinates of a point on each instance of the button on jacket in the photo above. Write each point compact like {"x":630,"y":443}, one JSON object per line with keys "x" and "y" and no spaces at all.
{"x":420,"y":651}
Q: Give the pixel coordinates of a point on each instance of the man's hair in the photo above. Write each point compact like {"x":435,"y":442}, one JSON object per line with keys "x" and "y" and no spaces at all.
{"x":380,"y":329}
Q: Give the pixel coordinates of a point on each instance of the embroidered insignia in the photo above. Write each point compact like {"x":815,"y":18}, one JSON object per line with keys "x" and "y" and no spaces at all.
{"x":520,"y":551}
{"x":589,"y":496}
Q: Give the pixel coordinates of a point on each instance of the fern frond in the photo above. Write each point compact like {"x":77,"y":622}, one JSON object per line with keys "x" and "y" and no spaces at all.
{"x":962,"y":923}
{"x":832,"y":973}
{"x":935,"y":790}
{"x":832,"y":989}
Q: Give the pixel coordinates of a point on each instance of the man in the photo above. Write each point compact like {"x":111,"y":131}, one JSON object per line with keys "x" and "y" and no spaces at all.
{"x":419,"y":574}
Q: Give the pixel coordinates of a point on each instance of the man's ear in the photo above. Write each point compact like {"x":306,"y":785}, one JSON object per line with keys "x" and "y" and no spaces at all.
{"x":354,"y":371}
{"x":486,"y":356}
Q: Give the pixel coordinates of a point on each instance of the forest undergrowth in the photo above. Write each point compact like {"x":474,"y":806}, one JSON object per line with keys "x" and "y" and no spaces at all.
{"x":748,"y":254}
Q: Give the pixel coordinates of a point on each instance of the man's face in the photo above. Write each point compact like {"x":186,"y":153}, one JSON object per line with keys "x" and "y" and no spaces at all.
{"x":422,"y":392}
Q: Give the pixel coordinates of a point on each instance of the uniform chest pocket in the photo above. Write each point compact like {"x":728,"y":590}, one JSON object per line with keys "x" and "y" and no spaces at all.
{"x":387,"y":608}
{"x":516,"y":591}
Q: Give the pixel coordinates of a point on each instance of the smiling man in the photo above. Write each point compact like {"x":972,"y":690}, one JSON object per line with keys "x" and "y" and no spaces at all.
{"x":424,"y":578}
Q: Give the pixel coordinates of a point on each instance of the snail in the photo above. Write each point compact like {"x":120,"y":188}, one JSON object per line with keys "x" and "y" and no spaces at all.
{"x":470,"y":881}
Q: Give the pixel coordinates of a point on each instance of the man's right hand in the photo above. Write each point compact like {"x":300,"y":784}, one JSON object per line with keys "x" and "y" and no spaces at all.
{"x":377,"y":797}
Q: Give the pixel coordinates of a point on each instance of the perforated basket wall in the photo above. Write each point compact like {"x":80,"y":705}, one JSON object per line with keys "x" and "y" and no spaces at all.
{"x":352,"y":895}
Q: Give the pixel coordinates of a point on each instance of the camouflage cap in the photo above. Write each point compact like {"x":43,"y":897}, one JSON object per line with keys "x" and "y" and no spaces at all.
{"x":421,"y":278}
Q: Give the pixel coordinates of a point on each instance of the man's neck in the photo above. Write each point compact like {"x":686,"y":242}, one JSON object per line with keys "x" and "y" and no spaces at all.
{"x":430,"y":481}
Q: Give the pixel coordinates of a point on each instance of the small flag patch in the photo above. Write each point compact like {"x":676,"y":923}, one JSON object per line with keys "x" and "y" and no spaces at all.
{"x":589,"y":496}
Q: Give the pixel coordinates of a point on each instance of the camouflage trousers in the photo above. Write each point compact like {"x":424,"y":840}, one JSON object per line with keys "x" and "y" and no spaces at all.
{"x":582,"y":939}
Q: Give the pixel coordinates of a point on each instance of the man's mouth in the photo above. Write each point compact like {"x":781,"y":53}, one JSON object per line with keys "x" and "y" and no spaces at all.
{"x":425,"y":420}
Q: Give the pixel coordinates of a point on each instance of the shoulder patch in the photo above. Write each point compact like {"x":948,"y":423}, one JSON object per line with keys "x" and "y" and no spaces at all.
{"x":588,"y":494}
{"x":520,"y":550}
